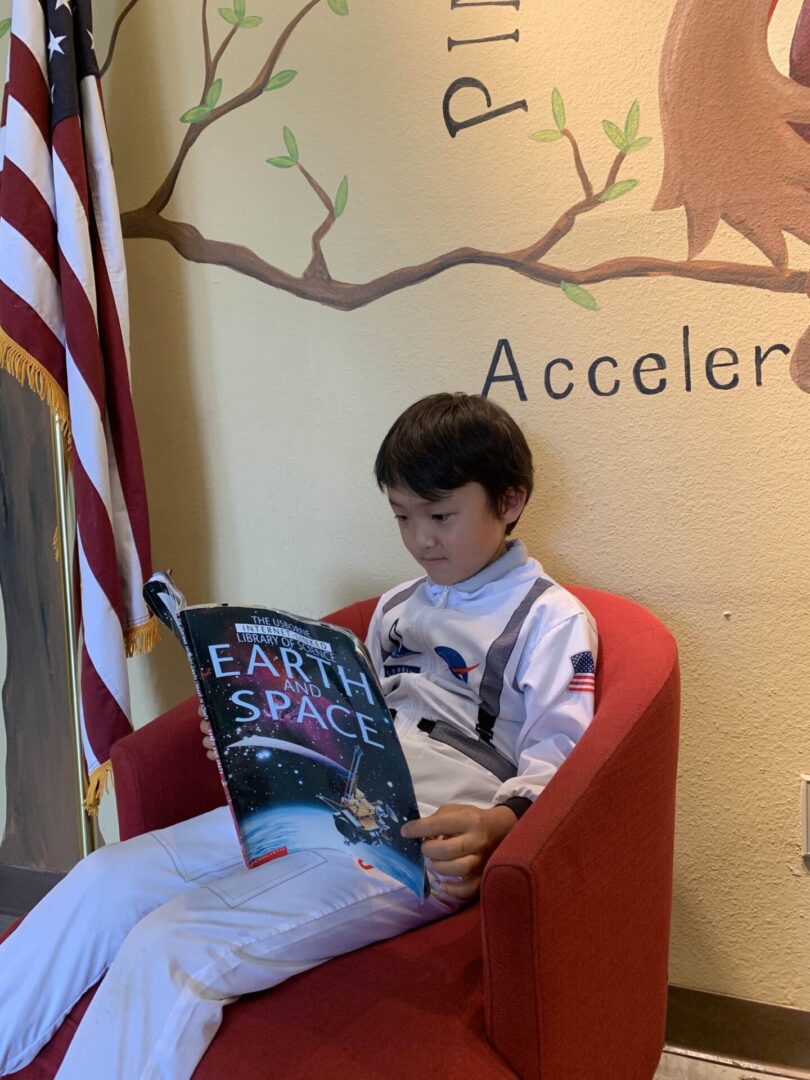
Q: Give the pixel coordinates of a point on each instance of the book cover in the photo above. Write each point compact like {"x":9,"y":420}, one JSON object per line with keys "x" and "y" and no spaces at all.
{"x":306,"y":747}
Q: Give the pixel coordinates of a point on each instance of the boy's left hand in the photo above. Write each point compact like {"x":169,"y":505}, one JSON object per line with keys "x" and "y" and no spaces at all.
{"x":458,"y":840}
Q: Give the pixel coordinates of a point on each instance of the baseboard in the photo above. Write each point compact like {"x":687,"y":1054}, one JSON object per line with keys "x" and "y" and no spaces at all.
{"x":732,"y":1029}
{"x":21,"y":888}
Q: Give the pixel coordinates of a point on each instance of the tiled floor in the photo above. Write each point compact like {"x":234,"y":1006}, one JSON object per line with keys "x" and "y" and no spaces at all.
{"x":679,"y":1067}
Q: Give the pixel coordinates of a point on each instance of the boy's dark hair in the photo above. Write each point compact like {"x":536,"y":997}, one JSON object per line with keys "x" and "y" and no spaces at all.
{"x":445,"y":441}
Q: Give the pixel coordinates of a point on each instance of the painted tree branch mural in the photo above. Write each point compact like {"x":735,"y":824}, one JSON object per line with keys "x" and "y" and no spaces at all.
{"x":732,"y":153}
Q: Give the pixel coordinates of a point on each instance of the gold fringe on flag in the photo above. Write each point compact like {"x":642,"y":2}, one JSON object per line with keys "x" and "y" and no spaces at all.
{"x":57,"y":547}
{"x":97,"y":785}
{"x":139,"y":640}
{"x":18,"y":362}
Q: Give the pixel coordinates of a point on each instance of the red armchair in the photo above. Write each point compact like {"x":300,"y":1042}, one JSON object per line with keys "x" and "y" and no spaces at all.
{"x":560,"y":973}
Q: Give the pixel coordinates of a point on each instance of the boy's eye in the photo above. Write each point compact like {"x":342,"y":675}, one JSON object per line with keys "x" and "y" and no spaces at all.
{"x":440,"y":517}
{"x":400,"y":517}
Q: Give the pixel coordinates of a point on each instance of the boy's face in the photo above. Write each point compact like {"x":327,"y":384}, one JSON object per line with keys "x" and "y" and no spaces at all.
{"x":455,"y":536}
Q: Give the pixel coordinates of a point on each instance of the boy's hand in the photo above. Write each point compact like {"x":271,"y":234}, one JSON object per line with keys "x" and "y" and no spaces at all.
{"x":458,"y":840}
{"x":205,"y":728}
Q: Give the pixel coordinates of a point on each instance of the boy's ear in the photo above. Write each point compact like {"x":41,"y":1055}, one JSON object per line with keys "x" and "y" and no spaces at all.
{"x":513,"y":502}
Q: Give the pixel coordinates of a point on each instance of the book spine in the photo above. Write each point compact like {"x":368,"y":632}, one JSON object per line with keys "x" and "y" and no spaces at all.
{"x":194,"y":664}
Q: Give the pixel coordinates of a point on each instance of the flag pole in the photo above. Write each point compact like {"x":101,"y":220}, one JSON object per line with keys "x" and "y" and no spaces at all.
{"x":66,"y":522}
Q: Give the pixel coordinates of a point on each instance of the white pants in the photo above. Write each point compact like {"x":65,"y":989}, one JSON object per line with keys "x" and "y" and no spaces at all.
{"x":182,"y":929}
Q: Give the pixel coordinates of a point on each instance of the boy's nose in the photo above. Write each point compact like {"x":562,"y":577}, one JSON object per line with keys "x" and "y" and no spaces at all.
{"x":426,"y":535}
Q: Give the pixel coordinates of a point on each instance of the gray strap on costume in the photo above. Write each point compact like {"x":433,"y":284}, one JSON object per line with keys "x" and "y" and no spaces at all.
{"x":501,"y":649}
{"x":401,"y":596}
{"x":483,"y":753}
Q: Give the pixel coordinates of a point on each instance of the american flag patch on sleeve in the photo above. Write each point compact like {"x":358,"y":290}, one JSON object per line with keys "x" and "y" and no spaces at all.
{"x":584,"y":677}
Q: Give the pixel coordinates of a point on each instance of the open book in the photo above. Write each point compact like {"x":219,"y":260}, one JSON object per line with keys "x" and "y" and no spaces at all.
{"x":306,"y":747}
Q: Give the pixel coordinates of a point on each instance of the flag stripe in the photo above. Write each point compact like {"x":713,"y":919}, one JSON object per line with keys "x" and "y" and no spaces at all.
{"x":130,"y":565}
{"x":74,"y":240}
{"x":103,"y":637}
{"x":92,"y":511}
{"x":96,"y":700}
{"x":88,"y":436}
{"x":82,"y":332}
{"x":25,"y":146}
{"x":28,"y":87}
{"x":125,"y":463}
{"x":26,"y":273}
{"x":23,"y":325}
{"x":28,"y":25}
{"x":104,"y":202}
{"x":27,"y":212}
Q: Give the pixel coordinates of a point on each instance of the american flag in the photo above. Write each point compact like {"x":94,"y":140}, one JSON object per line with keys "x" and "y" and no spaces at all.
{"x":584,"y":677}
{"x":64,"y":329}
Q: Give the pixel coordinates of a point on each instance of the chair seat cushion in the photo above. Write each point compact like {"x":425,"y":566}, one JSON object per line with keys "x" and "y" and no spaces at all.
{"x":412,"y":1006}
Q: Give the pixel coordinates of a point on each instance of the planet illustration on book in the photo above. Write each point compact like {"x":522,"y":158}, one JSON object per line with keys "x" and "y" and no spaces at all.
{"x":357,"y":818}
{"x":307,"y":827}
{"x":369,"y":827}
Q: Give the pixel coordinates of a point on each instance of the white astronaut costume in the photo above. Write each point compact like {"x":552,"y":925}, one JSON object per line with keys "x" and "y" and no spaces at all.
{"x":182,"y":929}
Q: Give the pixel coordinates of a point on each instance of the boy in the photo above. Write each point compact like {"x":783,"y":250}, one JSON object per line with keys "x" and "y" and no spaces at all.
{"x":488,"y":666}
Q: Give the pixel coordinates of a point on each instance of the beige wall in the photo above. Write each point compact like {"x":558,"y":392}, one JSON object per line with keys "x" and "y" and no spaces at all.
{"x":260,"y":412}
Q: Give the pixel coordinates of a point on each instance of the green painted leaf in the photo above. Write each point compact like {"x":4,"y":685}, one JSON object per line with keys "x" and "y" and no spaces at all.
{"x":615,"y":134}
{"x":195,"y":115}
{"x":340,"y":7}
{"x":229,"y":16}
{"x":214,"y":90}
{"x":549,"y":135}
{"x":579,"y":295}
{"x":639,"y":144}
{"x":342,"y":196}
{"x":5,"y":25}
{"x":558,"y":108}
{"x":615,"y":191}
{"x":631,"y":123}
{"x":281,"y":162}
{"x":282,"y":78}
{"x":251,"y":21}
{"x":291,"y":144}
{"x":239,"y":8}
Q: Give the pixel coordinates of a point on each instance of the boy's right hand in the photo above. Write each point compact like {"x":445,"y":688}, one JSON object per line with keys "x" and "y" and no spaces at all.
{"x":205,"y":728}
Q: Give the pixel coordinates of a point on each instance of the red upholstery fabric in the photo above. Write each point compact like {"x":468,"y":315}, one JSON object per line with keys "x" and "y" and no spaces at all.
{"x":559,"y":974}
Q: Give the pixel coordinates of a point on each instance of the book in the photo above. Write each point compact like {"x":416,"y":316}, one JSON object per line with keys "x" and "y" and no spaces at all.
{"x":307,"y":750}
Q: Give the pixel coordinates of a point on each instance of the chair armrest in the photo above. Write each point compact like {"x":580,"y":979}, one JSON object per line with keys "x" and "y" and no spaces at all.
{"x":162,"y":775}
{"x":576,"y":901}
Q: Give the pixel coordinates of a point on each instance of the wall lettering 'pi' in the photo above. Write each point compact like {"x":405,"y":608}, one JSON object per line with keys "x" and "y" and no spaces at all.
{"x":468,"y":82}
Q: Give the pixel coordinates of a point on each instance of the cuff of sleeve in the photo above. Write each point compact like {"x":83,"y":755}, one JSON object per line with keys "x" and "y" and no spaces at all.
{"x":517,"y":804}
